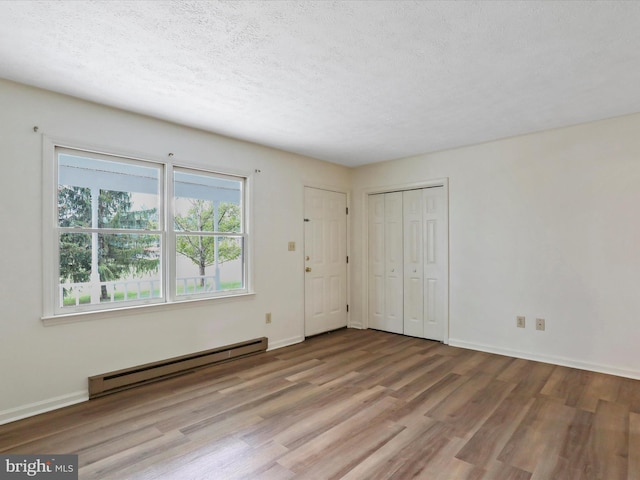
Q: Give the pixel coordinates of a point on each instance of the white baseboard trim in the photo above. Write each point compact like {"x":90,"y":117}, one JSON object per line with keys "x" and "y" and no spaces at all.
{"x":284,"y":343}
{"x":552,"y":359}
{"x":356,"y":325}
{"x":31,"y":409}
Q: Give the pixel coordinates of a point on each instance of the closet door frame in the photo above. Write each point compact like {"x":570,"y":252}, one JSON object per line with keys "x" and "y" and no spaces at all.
{"x":438,"y":182}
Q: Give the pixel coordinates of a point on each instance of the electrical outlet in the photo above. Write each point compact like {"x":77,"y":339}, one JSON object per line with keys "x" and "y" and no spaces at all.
{"x":520,"y":321}
{"x":267,"y":318}
{"x":540,"y":324}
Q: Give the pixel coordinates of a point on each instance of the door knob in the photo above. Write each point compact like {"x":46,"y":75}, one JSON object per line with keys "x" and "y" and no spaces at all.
{"x":308,"y":269}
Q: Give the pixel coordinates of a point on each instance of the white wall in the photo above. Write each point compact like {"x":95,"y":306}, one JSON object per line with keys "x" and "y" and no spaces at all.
{"x":544,"y":225}
{"x":42,"y":367}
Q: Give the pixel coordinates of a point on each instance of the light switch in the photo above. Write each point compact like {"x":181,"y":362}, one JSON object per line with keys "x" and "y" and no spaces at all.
{"x":292,"y":246}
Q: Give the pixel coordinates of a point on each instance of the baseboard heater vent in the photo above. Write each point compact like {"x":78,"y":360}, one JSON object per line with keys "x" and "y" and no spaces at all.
{"x":111,"y":382}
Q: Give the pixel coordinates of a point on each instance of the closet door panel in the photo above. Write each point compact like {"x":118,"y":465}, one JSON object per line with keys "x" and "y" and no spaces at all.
{"x":413,"y":263}
{"x":377,"y":279}
{"x":393,"y":254}
{"x":435,"y":262}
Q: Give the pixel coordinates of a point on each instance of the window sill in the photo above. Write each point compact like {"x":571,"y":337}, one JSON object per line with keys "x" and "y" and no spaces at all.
{"x":135,"y":310}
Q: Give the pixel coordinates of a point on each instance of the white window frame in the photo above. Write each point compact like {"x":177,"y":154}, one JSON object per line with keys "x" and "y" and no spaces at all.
{"x":173,"y":233}
{"x":160,"y":231}
{"x":54,"y":313}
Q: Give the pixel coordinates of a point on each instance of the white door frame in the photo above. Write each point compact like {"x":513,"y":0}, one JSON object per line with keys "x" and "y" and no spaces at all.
{"x":438,"y":182}
{"x":347,"y":193}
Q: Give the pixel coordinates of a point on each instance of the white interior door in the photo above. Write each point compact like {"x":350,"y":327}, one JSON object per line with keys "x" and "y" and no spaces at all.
{"x":393,"y":255}
{"x":377,"y":261}
{"x":436,"y":261}
{"x":386,"y":262}
{"x":325,"y":249}
{"x":413,"y":263}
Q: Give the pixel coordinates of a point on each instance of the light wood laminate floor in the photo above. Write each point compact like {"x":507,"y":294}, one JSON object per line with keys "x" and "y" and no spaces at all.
{"x":354,"y":404}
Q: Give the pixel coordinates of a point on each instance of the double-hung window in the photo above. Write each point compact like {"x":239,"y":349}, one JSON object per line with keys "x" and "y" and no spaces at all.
{"x":131,"y":232}
{"x":208,"y":227}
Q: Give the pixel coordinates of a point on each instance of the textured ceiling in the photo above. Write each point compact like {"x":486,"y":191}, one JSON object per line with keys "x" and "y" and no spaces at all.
{"x":351,"y":82}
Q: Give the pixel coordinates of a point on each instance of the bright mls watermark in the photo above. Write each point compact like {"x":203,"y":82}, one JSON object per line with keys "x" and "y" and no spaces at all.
{"x":50,"y":467}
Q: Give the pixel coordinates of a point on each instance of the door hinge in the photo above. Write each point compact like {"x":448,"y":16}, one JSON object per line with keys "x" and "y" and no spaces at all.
{"x":306,"y":220}
{"x":347,"y":258}
{"x":347,"y":210}
{"x":347,"y":307}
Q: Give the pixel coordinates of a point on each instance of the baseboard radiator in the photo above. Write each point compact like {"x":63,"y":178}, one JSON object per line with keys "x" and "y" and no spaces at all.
{"x":111,"y":382}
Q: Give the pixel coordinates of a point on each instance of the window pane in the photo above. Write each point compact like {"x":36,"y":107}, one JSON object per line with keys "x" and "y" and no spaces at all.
{"x":75,"y":257}
{"x":197,"y":270}
{"x":126,"y":268}
{"x":127,"y":210}
{"x":207,"y":203}
{"x":107,"y":194}
{"x":74,"y":206}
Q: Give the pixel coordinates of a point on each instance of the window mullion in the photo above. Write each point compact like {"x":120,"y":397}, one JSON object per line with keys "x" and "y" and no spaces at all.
{"x":109,"y":231}
{"x":169,"y":276}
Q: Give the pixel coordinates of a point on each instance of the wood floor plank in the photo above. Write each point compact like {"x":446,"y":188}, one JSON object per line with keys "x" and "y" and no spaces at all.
{"x":347,"y":454}
{"x":124,"y":463}
{"x":576,"y":383}
{"x":408,"y":370}
{"x":445,"y":466}
{"x":557,"y":385}
{"x":303,"y":455}
{"x":489,"y":440}
{"x":599,"y":387}
{"x":493,"y":365}
{"x":451,"y":406}
{"x":327,"y":404}
{"x":533,"y":380}
{"x":480,"y":406}
{"x":515,"y":371}
{"x":429,"y":373}
{"x":468,"y":360}
{"x":387,"y":459}
{"x":354,"y":404}
{"x":609,"y":447}
{"x":323,"y":420}
{"x":547,"y":419}
{"x":629,"y":394}
{"x":576,"y":439}
{"x":430,"y":397}
{"x":429,"y":446}
{"x":500,"y":471}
